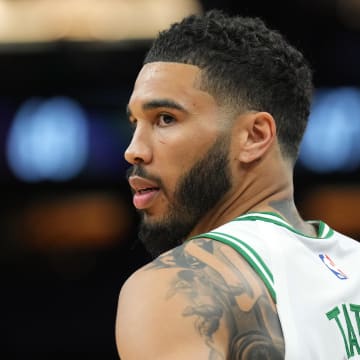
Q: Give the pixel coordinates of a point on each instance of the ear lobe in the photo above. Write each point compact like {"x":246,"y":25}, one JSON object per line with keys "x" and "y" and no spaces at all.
{"x":259,"y":134}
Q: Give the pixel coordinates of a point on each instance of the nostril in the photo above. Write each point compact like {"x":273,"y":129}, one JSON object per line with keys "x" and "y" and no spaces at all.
{"x":138,"y":151}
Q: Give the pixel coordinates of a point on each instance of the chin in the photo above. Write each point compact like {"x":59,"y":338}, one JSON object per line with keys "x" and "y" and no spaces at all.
{"x":149,"y":217}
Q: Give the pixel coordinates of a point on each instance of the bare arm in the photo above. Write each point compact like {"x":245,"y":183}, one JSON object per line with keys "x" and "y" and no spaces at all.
{"x":198,"y":301}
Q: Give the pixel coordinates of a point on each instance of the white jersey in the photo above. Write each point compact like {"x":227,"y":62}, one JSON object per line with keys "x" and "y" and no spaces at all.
{"x":314,"y":281}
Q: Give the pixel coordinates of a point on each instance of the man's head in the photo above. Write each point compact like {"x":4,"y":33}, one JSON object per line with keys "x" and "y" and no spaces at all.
{"x":210,"y":86}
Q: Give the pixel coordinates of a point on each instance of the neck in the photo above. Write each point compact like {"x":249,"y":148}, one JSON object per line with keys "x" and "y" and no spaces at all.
{"x":257,"y":193}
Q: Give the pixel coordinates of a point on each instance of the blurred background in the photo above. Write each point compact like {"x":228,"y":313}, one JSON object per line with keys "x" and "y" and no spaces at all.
{"x":68,"y":229}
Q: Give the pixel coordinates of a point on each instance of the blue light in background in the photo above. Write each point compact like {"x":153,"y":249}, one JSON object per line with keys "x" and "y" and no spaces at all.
{"x":332,"y":138}
{"x":48,"y":140}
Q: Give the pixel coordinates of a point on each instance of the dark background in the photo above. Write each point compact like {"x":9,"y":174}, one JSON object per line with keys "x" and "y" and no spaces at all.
{"x":59,"y":287}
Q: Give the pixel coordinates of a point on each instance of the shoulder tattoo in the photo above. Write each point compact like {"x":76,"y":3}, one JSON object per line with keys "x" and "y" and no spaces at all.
{"x":224,"y":293}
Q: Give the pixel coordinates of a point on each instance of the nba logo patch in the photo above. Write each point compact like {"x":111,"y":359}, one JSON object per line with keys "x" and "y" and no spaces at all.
{"x":329,"y":263}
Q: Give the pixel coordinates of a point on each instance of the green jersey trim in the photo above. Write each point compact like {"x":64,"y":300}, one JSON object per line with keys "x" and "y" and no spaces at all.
{"x":250,"y":255}
{"x":324,"y":231}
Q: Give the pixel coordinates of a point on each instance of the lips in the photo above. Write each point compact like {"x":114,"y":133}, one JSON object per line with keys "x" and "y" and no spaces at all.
{"x":145,"y":191}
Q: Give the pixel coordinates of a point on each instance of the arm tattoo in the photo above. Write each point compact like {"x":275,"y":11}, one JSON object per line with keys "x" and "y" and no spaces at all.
{"x":228,"y":300}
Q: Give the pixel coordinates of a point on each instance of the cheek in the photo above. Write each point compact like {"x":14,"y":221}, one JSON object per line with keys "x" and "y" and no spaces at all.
{"x":173,"y":154}
{"x":172,"y":166}
{"x":176,"y":155}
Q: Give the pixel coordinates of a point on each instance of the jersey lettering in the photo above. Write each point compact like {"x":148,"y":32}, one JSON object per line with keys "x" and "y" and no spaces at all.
{"x":347,"y":320}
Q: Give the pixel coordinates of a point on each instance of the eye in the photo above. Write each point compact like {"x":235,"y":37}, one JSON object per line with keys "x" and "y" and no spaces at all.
{"x":165,"y":119}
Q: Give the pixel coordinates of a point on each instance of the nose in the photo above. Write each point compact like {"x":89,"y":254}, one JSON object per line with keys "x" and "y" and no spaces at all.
{"x":139,"y":149}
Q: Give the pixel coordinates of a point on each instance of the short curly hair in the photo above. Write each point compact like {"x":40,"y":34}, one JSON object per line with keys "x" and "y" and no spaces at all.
{"x":245,"y":65}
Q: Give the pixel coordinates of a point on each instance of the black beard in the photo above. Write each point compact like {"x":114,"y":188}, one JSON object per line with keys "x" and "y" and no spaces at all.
{"x":197,"y":191}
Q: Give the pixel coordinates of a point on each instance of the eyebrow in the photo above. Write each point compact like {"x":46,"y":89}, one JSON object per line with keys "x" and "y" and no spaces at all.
{"x":159,"y":103}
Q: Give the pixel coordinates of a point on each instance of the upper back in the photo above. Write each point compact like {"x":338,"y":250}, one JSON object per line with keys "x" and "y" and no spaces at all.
{"x":253,"y":287}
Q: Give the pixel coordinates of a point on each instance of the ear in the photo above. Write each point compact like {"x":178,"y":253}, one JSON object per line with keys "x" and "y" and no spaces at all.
{"x":257,"y":135}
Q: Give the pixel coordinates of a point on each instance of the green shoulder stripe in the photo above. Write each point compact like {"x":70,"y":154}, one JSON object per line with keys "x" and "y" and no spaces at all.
{"x":324,"y":231}
{"x":249,"y":254}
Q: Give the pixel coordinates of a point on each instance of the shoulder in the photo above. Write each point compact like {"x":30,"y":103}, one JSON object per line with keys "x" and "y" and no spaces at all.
{"x":153,"y":317}
{"x":193,"y":302}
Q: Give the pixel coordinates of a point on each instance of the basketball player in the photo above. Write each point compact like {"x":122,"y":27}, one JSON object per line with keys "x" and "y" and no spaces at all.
{"x":219,"y":109}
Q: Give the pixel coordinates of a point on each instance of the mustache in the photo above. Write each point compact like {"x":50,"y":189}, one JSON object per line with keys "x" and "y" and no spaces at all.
{"x":138,"y":170}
